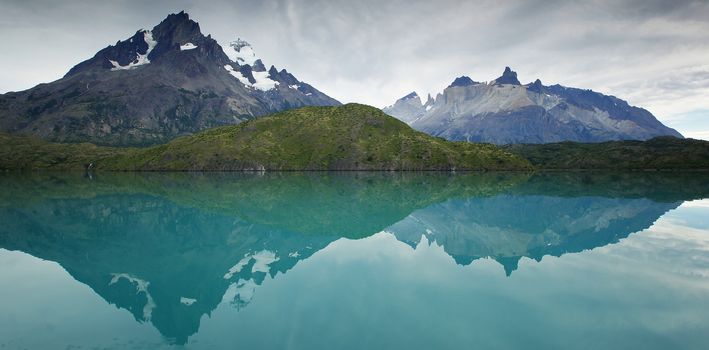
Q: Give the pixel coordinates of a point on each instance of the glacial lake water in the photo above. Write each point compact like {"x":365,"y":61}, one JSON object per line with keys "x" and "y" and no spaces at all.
{"x":354,"y":261}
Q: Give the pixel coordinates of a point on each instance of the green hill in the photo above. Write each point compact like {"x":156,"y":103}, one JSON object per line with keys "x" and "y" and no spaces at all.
{"x":349,"y":137}
{"x":31,"y":153}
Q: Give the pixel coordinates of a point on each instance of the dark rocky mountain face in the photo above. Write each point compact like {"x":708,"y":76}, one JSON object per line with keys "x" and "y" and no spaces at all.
{"x":508,"y":77}
{"x":156,"y":85}
{"x":506,"y":112}
{"x":462,"y":81}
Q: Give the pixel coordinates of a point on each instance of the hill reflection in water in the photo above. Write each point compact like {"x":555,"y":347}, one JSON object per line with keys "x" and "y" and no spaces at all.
{"x":170,"y":248}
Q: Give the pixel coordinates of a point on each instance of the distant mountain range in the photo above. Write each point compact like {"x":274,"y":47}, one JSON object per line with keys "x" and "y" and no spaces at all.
{"x":504,"y":111}
{"x":156,"y":85}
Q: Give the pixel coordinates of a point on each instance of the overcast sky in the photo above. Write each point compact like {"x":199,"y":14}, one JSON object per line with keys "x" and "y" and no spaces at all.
{"x":652,"y":53}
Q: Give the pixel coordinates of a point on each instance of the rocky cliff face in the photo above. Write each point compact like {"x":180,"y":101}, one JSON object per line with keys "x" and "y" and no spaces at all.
{"x":504,"y":111}
{"x":158,"y":84}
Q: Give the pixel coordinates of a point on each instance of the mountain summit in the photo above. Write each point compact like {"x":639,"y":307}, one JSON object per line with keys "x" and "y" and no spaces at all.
{"x":505,"y":112}
{"x":159,"y":83}
{"x":411,"y":107}
{"x":508,"y":77}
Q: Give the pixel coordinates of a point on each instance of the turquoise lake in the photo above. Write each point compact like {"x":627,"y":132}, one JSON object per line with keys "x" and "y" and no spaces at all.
{"x":354,"y":261}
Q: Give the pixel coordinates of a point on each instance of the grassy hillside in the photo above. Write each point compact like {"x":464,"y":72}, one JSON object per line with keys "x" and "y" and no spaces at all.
{"x":28,"y":152}
{"x":350,"y":137}
{"x":661,"y":153}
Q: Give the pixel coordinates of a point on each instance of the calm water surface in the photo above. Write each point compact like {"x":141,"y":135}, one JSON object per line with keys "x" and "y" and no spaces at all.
{"x":358,"y":260}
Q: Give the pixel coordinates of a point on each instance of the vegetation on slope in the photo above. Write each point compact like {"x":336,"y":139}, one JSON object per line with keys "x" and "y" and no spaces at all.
{"x":350,"y":137}
{"x":660,"y":153}
{"x":29,"y":152}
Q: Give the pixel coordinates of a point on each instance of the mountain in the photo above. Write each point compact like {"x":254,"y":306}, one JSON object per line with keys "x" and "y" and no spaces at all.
{"x":349,"y":137}
{"x":158,"y":84}
{"x":504,"y":111}
{"x":410,"y":108}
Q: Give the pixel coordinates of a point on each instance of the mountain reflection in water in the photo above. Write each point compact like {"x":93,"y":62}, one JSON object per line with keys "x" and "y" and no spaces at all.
{"x":170,"y":248}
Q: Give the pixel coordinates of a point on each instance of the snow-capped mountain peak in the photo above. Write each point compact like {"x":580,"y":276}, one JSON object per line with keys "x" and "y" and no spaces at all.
{"x":251,"y":70}
{"x":241,"y":52}
{"x":159,"y":83}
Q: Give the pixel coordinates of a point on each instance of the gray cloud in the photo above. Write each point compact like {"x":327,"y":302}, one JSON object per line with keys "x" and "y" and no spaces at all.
{"x":651,"y":52}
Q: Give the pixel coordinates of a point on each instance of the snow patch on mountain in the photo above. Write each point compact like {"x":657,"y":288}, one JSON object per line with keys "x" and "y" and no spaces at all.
{"x":141,"y":59}
{"x":237,"y":75}
{"x":241,"y":52}
{"x":263,"y":81}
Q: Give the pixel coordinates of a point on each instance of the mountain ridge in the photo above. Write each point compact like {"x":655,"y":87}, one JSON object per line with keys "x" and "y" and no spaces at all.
{"x":504,"y":111}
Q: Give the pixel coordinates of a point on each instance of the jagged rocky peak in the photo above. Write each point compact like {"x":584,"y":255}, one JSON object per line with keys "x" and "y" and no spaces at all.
{"x":536,"y":86}
{"x":251,"y":71}
{"x":462,"y":81}
{"x":429,"y":100}
{"x":413,"y":94}
{"x":416,"y":99}
{"x":258,"y":66}
{"x":508,"y":77}
{"x":408,"y":108}
{"x":177,"y":32}
{"x":177,"y":28}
